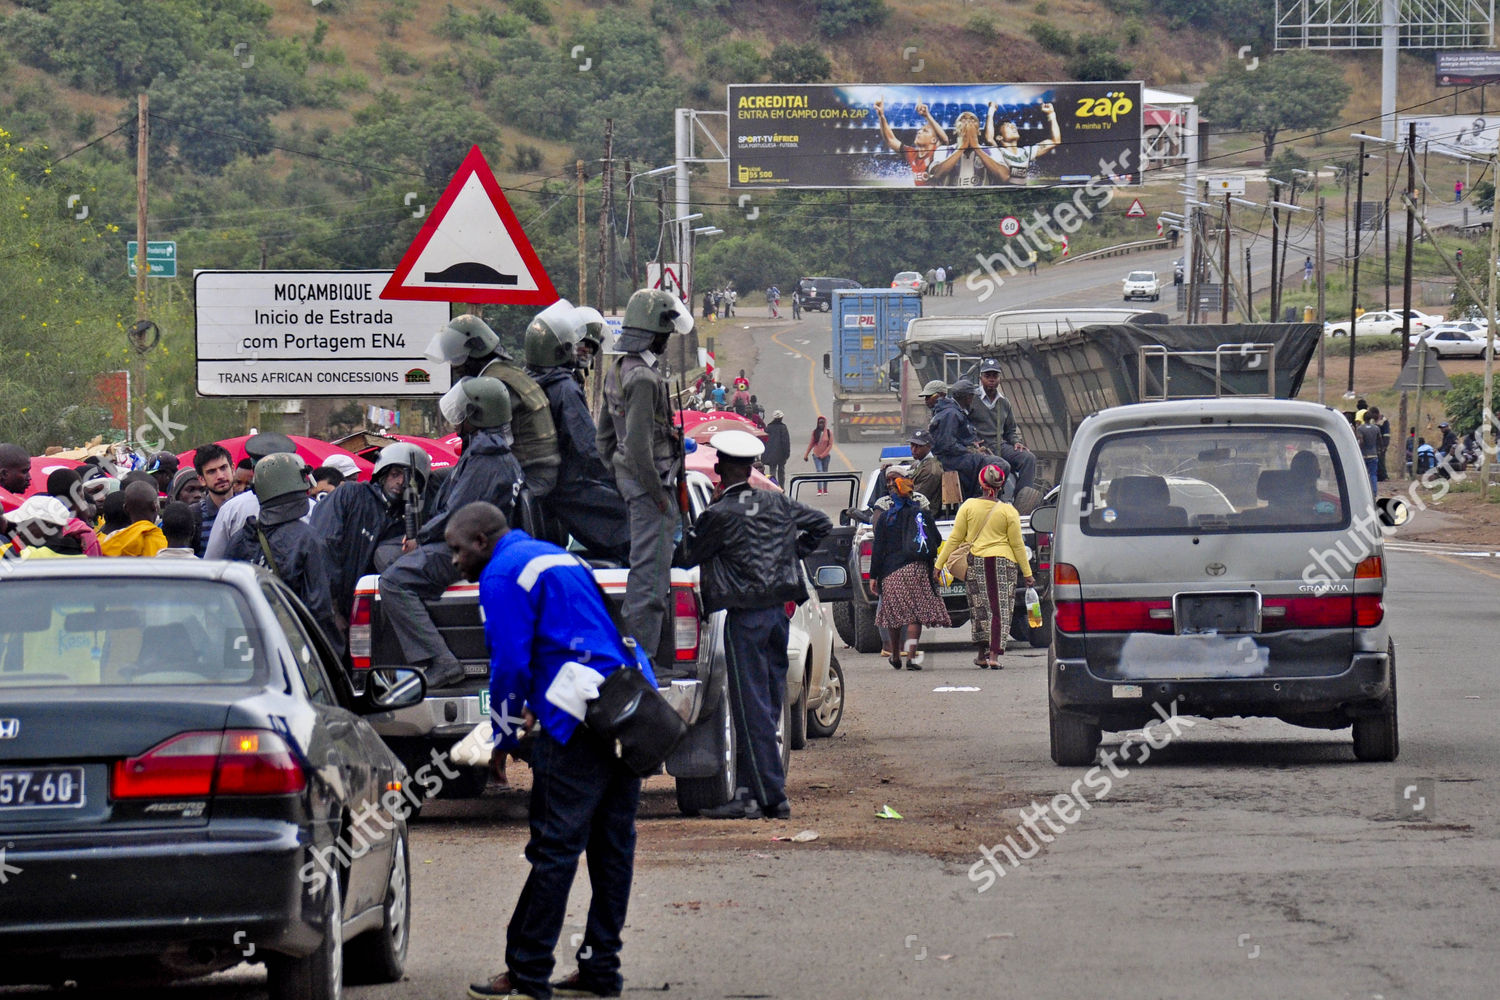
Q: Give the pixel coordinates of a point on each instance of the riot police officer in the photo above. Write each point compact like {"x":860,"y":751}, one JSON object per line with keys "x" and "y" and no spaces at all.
{"x":592,"y":335}
{"x":585,"y":498}
{"x":638,"y":441}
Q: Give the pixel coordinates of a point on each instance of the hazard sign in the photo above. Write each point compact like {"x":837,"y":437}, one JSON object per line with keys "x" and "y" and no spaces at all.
{"x":1136,"y":210}
{"x":472,"y":248}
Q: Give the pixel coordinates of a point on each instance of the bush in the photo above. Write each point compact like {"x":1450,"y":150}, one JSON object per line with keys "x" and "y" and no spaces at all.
{"x":534,"y":11}
{"x":1465,"y":402}
{"x":797,"y":64}
{"x":733,"y":62}
{"x":982,"y":27}
{"x":835,"y":17}
{"x":1050,"y":38}
{"x":395,"y":60}
{"x":526,"y":158}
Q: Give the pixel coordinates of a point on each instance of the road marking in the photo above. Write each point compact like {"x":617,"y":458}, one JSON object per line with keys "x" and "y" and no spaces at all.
{"x":812,"y":393}
{"x":1466,"y":565}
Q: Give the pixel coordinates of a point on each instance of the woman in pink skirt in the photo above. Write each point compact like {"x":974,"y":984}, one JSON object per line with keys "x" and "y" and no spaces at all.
{"x":901,"y":561}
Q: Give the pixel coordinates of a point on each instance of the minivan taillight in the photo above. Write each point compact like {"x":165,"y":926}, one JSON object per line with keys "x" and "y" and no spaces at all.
{"x":686,"y":623}
{"x":866,"y":551}
{"x":359,"y":631}
{"x":201,"y":764}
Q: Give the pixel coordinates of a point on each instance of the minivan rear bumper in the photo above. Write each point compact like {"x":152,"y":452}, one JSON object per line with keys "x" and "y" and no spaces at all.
{"x":1330,"y":700}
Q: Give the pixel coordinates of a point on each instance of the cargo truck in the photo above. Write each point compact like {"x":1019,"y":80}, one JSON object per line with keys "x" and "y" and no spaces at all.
{"x":868,"y":327}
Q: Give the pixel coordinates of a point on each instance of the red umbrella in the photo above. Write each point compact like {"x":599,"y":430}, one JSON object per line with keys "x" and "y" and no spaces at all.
{"x":709,"y":428}
{"x":8,"y":500}
{"x":443,"y":457}
{"x":688,"y":419}
{"x":703,"y":459}
{"x":313,"y":451}
{"x":43,"y":467}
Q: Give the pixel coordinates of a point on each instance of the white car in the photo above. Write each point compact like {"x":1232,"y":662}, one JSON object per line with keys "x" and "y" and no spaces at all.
{"x":1450,"y":343}
{"x":910,"y":279}
{"x":1463,"y":326}
{"x":1142,"y":285}
{"x":1377,"y":322}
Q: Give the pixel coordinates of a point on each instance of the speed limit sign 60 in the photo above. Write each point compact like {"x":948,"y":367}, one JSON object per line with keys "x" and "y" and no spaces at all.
{"x":1010,"y":226}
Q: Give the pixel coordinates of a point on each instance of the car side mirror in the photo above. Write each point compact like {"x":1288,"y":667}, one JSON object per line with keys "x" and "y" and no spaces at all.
{"x":1044,"y":519}
{"x":831,"y":576}
{"x":1393,"y":511}
{"x":390,"y":688}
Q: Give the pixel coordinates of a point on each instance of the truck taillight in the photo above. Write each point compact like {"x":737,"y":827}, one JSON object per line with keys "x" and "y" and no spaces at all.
{"x":359,"y":631}
{"x":866,"y":550}
{"x":200,"y":764}
{"x":686,"y":623}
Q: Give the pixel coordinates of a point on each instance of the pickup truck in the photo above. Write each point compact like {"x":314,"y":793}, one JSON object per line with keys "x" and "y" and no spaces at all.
{"x":694,"y":683}
{"x":854,"y":614}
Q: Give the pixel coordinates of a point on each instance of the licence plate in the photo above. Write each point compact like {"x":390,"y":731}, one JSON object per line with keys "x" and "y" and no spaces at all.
{"x":952,"y":590}
{"x":484,"y":704}
{"x":41,"y":788}
{"x":1218,"y":614}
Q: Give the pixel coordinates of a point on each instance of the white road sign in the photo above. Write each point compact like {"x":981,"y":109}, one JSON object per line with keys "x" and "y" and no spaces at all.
{"x":313,"y":333}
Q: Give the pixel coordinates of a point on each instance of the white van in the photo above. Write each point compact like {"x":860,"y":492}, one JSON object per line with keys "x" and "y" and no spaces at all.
{"x":1218,"y":557}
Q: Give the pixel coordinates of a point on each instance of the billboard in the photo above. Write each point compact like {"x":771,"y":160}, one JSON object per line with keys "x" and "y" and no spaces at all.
{"x":1467,"y":69}
{"x":1455,"y":135}
{"x":313,"y":333}
{"x":933,"y":136}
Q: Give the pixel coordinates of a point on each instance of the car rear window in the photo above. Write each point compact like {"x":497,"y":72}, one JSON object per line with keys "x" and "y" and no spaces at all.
{"x":1140,"y":276}
{"x":108,"y":632}
{"x":1218,"y":479}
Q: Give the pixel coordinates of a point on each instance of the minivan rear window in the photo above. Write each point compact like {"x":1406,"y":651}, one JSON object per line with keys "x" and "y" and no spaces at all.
{"x":1197,"y":480}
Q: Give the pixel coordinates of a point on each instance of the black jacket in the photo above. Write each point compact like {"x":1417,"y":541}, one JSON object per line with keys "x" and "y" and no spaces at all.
{"x":576,"y":432}
{"x":778,"y":444}
{"x":750,"y":543}
{"x":353,"y":521}
{"x":952,"y":432}
{"x":485,"y":471}
{"x":899,"y":541}
{"x":301,"y":558}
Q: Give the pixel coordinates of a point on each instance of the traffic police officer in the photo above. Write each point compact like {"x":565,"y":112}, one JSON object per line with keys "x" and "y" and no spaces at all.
{"x":750,"y":543}
{"x":638,"y":441}
{"x":585,"y":498}
{"x":486,"y":471}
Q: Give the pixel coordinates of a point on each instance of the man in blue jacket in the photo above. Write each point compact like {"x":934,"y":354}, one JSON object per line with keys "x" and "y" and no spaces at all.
{"x":954,"y":440}
{"x":552,"y":643}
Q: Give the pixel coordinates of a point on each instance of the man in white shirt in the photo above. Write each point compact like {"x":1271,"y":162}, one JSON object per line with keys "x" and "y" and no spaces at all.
{"x":239,"y":509}
{"x":1016,"y":158}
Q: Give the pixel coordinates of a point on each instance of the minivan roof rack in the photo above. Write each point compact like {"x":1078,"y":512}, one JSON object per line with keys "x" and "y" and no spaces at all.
{"x":1154,"y":365}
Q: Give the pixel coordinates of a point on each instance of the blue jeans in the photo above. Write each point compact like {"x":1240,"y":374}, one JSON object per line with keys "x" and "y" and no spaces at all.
{"x":1372,"y":463}
{"x":821,"y":464}
{"x":581,"y":798}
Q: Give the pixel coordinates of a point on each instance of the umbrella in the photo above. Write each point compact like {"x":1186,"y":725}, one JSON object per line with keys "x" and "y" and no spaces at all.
{"x":313,"y":452}
{"x":443,"y":457}
{"x":688,"y":419}
{"x":367,"y":445}
{"x":703,"y":459}
{"x":8,"y":500}
{"x":42,"y":467}
{"x":708,"y":428}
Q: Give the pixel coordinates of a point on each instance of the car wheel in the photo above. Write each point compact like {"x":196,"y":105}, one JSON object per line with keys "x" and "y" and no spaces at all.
{"x":1075,"y":740}
{"x":783,"y":735}
{"x":379,"y":956}
{"x":694,"y":794}
{"x":824,"y":720}
{"x":796,"y":725}
{"x":1377,"y":737}
{"x":319,"y":976}
{"x":1026,"y":499}
{"x":843,"y":621}
{"x":866,"y":634}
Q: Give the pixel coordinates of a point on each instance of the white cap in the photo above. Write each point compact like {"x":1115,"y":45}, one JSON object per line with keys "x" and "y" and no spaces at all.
{"x":344,"y":464}
{"x":46,"y":509}
{"x":741,"y":445}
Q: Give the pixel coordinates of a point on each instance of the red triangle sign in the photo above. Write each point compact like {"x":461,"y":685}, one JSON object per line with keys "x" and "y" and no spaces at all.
{"x":472,"y":248}
{"x":1136,"y":210}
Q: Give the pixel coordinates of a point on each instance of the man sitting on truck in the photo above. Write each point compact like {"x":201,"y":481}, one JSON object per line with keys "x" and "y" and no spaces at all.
{"x":996,"y":424}
{"x":954,"y":440}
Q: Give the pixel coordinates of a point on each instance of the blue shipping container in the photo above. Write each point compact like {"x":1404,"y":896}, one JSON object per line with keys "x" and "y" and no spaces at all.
{"x":868,"y":324}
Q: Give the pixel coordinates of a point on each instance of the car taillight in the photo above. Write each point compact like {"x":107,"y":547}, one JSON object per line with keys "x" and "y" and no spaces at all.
{"x":790,"y":609}
{"x":1065,"y":574}
{"x":1128,"y":616}
{"x":1371,"y":568}
{"x":1369,"y":610}
{"x":1043,"y":541}
{"x":685,"y":621}
{"x":866,"y":551}
{"x":359,"y":631}
{"x":197,"y":765}
{"x":1068,"y":616}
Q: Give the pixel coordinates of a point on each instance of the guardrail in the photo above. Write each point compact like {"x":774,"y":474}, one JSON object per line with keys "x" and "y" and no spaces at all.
{"x":1115,"y":251}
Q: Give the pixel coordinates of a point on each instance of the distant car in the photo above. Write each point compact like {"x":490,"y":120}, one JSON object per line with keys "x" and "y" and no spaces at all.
{"x":911,"y":280}
{"x":1380,"y":322}
{"x":187,"y":780}
{"x":1142,"y":285}
{"x":1450,"y":343}
{"x":1417,"y":316}
{"x":1462,"y":326}
{"x":817,"y":293}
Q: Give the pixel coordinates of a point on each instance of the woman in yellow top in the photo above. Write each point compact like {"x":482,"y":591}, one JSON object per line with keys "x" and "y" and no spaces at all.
{"x":996,"y":555}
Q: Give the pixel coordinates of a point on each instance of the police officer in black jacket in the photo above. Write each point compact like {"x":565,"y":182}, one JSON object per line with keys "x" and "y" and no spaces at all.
{"x":750,"y":543}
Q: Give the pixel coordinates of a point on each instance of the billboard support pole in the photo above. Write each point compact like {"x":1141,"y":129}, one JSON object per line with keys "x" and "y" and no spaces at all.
{"x":1190,"y":186}
{"x":684,"y":150}
{"x":1359,"y":204}
{"x":1390,"y":40}
{"x":1224,"y":277}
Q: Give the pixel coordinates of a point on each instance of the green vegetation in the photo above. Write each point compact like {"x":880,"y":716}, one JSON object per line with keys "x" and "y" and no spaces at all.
{"x":1294,"y":90}
{"x":1465,"y":402}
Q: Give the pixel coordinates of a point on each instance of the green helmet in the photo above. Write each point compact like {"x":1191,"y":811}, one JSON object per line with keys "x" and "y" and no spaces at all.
{"x":552,"y":337}
{"x":464,"y":337}
{"x":592,"y":328}
{"x":650,"y":313}
{"x":279,"y":474}
{"x":406,"y":456}
{"x":482,"y":402}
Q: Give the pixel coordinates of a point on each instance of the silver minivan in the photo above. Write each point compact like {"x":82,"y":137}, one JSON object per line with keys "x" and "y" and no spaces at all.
{"x":1218,"y":557}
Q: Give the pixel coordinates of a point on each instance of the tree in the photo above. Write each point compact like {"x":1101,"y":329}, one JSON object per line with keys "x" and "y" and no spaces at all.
{"x":208,"y":118}
{"x":733,"y":62}
{"x":838,"y":17}
{"x":1295,"y":90}
{"x":1464,"y":402}
{"x":798,"y":64}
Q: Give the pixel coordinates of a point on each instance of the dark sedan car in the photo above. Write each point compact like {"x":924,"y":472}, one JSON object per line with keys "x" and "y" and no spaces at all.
{"x":186,"y":783}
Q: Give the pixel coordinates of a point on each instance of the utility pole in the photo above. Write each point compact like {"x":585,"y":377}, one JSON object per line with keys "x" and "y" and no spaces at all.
{"x":583,"y":264}
{"x":635,"y":259}
{"x":1224,"y":272}
{"x":609,"y":142}
{"x":1322,"y":340}
{"x":1195,"y":241}
{"x":142,"y":265}
{"x":1249,"y":291}
{"x":1359,"y":201}
{"x":1346,"y":213}
{"x":1411,"y":191}
{"x":1489,"y":348}
{"x":1385,"y":220}
{"x":1275,"y":237}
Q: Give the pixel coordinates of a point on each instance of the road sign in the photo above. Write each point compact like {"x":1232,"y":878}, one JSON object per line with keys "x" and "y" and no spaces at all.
{"x":161,"y":258}
{"x":1136,"y":210}
{"x":1063,"y":240}
{"x":669,"y":277}
{"x":1010,"y":226}
{"x":1429,"y":376}
{"x":472,"y":248}
{"x":1228,"y":184}
{"x":313,"y":333}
